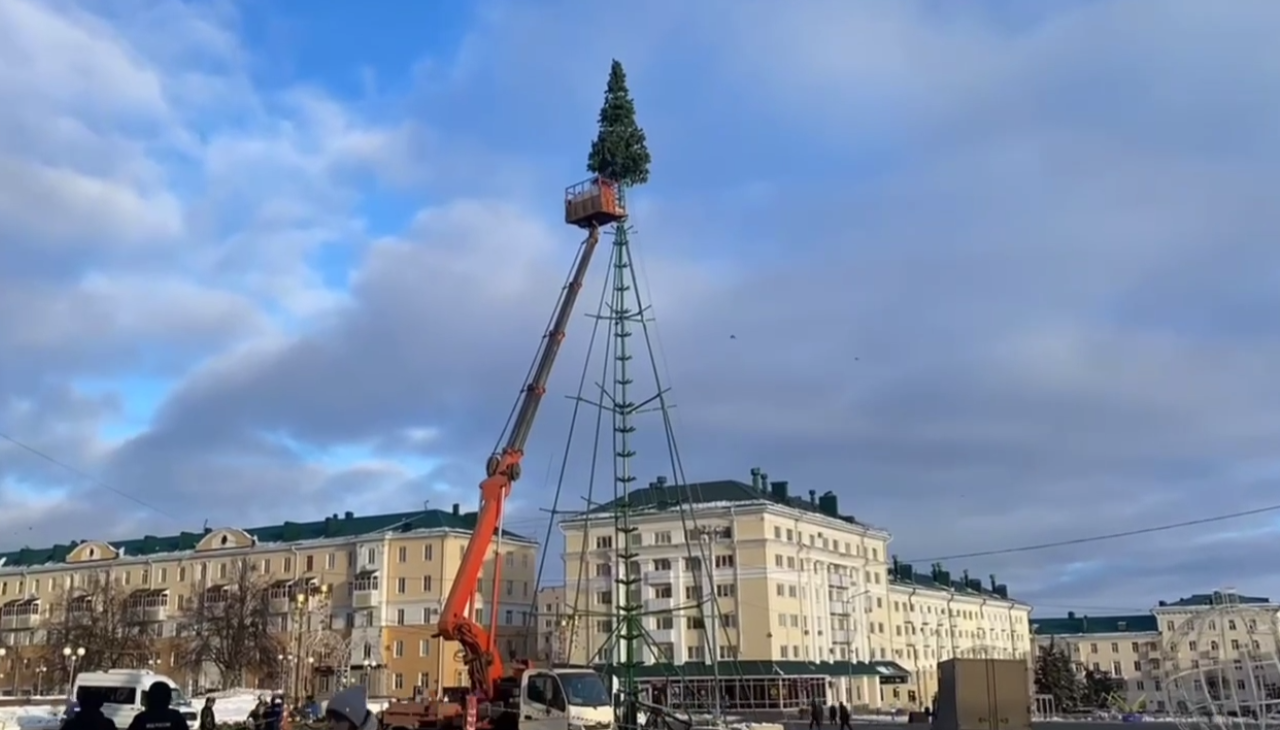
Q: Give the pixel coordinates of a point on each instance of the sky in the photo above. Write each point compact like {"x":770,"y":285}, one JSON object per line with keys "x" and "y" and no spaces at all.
{"x":994,"y":273}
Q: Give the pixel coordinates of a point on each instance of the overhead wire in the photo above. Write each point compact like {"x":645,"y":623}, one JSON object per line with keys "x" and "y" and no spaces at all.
{"x":1107,"y":536}
{"x":84,"y":475}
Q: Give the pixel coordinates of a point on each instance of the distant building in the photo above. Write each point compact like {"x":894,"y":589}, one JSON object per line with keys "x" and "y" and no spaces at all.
{"x":355,"y":597}
{"x":803,"y":600}
{"x":1205,"y":632}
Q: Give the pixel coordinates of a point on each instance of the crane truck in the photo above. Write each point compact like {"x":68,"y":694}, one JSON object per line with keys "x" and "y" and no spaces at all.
{"x":530,"y":698}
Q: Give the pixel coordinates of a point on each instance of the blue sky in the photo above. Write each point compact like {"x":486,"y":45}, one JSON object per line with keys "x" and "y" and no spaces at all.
{"x":980,"y":268}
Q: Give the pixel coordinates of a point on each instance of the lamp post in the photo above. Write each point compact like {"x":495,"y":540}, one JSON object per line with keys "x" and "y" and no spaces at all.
{"x":71,"y":656}
{"x":40,"y":670}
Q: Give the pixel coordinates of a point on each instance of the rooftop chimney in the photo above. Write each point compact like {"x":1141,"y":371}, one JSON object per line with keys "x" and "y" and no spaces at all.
{"x":755,"y":479}
{"x":662,"y":481}
{"x":457,"y":508}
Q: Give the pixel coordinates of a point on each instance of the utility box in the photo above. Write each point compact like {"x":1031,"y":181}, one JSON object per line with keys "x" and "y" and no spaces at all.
{"x":983,"y":694}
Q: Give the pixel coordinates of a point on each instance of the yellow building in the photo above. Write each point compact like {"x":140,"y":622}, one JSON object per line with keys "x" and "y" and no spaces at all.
{"x":747,"y":580}
{"x":1207,"y":651}
{"x":352,"y":599}
{"x":553,"y":623}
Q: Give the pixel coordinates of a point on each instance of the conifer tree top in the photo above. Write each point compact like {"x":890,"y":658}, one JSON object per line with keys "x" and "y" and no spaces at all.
{"x":619,"y":152}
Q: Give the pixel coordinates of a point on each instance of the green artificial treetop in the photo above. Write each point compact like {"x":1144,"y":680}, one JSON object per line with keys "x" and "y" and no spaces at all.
{"x":619,"y":152}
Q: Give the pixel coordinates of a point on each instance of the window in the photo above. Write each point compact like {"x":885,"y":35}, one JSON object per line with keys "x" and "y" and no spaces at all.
{"x":511,"y":587}
{"x":182,"y":574}
{"x":604,"y":598}
{"x":726,"y":590}
{"x":695,"y":653}
{"x":694,"y":622}
{"x":777,"y":560}
{"x":724,"y":561}
{"x":310,"y":562}
{"x":222,"y":572}
{"x":288,"y":565}
{"x":399,"y":618}
{"x":777,"y":532}
{"x":398,"y":680}
{"x":1115,"y":648}
{"x":604,"y":542}
{"x":661,"y":564}
{"x":662,"y":590}
{"x":603,"y":570}
{"x":402,"y":554}
{"x":397,"y":649}
{"x":693,"y":593}
{"x":426,"y":584}
{"x":427,"y":552}
{"x":662,"y":538}
{"x":424,"y":647}
{"x":330,"y":561}
{"x":693,"y":565}
{"x":401,"y":586}
{"x":664,"y":622}
{"x":729,"y":620}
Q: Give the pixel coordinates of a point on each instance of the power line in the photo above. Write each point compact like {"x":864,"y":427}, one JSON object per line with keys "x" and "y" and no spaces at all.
{"x":1108,"y":536}
{"x":87,"y":477}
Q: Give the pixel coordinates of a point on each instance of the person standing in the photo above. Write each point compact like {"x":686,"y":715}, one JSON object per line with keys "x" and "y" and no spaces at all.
{"x":157,"y":713}
{"x":88,"y":714}
{"x":844,"y":717}
{"x":208,"y":720}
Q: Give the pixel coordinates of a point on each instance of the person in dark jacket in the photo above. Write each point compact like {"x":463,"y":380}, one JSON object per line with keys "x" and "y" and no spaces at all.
{"x":88,"y":714}
{"x":349,"y":710}
{"x":157,"y":713}
{"x":255,"y":715}
{"x":273,"y":715}
{"x":208,"y":720}
{"x":844,"y":717}
{"x":815,"y":715}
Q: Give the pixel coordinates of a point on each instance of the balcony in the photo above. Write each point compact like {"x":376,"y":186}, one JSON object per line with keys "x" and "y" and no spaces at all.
{"x":20,"y":614}
{"x":837,"y":580}
{"x":659,"y":604}
{"x":841,"y":636}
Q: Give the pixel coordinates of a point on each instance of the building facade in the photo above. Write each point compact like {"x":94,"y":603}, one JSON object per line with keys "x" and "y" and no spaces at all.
{"x":729,"y":575}
{"x":1183,"y":656}
{"x":353,"y":599}
{"x":552,"y":622}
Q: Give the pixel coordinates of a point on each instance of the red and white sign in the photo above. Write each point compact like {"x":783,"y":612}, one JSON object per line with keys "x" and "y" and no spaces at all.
{"x":471,"y":712}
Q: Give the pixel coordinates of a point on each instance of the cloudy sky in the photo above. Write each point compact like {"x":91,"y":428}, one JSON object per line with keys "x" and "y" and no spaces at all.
{"x":996,"y":273}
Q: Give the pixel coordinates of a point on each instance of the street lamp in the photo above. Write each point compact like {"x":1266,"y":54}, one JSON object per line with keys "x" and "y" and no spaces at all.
{"x":40,"y":670}
{"x":71,"y":656}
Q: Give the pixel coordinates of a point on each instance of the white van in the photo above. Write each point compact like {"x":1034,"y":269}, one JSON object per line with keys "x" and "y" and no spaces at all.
{"x":124,"y":690}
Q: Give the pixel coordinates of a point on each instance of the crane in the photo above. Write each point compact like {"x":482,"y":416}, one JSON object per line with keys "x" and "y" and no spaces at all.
{"x":588,"y":205}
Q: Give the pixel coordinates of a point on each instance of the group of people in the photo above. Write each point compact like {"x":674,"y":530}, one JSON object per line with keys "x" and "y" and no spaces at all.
{"x":347,"y":710}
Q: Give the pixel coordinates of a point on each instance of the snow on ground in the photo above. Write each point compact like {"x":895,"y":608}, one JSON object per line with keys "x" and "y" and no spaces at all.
{"x":45,"y":712}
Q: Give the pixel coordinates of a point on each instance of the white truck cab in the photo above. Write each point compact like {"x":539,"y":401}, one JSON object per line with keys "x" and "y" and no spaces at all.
{"x":564,"y":699}
{"x":123,"y":692}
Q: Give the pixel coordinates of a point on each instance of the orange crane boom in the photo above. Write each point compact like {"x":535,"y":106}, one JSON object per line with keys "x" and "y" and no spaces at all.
{"x":484,"y":665}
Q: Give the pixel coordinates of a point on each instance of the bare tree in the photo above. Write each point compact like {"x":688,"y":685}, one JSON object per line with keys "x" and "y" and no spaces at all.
{"x":228,"y":625}
{"x":108,"y":620}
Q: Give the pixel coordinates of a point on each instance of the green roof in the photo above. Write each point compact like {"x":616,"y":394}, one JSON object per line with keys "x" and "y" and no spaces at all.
{"x":334,"y":527}
{"x":662,"y":496}
{"x":736,"y":669}
{"x":1073,"y":625}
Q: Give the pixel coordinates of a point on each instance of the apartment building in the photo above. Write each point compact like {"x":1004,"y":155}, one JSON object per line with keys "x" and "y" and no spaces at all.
{"x":355,"y":597}
{"x":552,"y":621}
{"x":748,"y":580}
{"x":1182,"y":656}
